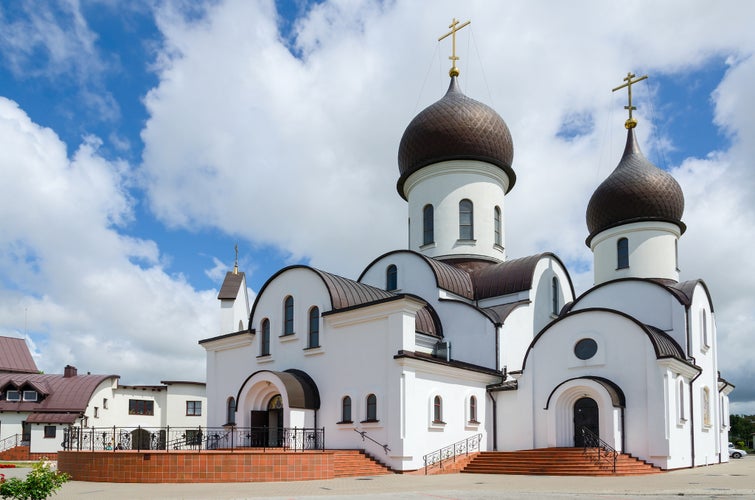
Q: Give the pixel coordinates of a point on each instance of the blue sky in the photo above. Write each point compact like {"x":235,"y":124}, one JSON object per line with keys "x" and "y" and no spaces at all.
{"x":144,"y":139}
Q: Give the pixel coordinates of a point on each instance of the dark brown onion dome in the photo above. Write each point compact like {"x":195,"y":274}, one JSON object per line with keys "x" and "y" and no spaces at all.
{"x":635,"y":191}
{"x":455,"y":128}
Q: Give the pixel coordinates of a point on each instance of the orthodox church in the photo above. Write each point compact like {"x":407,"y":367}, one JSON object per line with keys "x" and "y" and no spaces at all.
{"x":449,"y":339}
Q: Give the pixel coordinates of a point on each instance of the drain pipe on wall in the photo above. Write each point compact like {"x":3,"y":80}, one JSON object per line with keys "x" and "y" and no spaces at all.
{"x":490,"y":389}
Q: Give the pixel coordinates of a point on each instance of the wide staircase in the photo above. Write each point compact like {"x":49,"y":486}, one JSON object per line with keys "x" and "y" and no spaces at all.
{"x":349,"y":463}
{"x":556,"y":462}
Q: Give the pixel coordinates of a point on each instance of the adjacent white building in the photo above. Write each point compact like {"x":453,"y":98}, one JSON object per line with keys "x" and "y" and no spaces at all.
{"x":450,"y":338}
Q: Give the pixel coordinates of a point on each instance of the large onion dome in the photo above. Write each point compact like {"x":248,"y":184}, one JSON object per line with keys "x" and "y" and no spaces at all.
{"x":635,"y":191}
{"x":455,"y":128}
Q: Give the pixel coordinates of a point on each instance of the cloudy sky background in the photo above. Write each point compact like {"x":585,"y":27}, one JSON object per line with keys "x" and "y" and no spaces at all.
{"x":139,"y":141}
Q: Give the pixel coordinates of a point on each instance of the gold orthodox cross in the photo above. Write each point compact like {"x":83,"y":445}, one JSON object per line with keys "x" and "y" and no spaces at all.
{"x":236,"y":261}
{"x":454,"y":28}
{"x":631,"y":122}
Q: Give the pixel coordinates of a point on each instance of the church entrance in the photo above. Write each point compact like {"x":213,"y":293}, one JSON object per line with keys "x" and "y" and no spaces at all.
{"x":585,"y":415}
{"x":267,"y":425}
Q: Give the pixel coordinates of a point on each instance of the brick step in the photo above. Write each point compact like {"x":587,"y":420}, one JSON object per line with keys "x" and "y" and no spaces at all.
{"x":555,"y":462}
{"x":348,"y":463}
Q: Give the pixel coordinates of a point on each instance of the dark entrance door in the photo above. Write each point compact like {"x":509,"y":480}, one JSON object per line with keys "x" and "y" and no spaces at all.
{"x":258,"y":432}
{"x":585,"y":415}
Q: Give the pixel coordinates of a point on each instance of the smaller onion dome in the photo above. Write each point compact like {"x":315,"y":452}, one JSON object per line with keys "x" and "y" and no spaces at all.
{"x":635,"y":191}
{"x":455,"y":128}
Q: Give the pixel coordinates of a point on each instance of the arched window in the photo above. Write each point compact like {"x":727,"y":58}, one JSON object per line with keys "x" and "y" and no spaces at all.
{"x":681,"y":399}
{"x":437,"y":410}
{"x":288,"y":316}
{"x":265,"y":338}
{"x":428,"y":225}
{"x":704,"y":329}
{"x":371,"y":408}
{"x":346,"y":409}
{"x":622,"y":253}
{"x":554,"y":295}
{"x":391,"y":278}
{"x":676,"y":254}
{"x":497,"y":226}
{"x":473,"y":409}
{"x":241,"y":325}
{"x":231,"y":412}
{"x":706,"y":407}
{"x":314,"y":327}
{"x":466,"y":220}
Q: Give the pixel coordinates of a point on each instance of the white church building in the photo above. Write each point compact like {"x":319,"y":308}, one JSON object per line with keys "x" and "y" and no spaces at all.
{"x":449,"y":338}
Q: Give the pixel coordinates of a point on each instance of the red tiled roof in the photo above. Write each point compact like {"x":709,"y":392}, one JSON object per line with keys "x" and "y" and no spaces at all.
{"x":15,"y":356}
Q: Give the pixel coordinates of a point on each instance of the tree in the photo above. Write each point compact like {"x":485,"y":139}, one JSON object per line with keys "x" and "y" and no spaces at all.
{"x":741,"y":429}
{"x":39,"y":484}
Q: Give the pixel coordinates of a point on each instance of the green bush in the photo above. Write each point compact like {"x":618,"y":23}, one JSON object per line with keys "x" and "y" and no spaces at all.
{"x":41,"y":482}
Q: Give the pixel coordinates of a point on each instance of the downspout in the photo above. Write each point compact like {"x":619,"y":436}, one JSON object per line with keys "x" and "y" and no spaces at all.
{"x":489,"y":389}
{"x":692,"y":417}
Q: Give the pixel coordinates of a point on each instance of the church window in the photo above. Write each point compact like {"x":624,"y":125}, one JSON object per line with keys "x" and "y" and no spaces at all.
{"x":230,"y":417}
{"x":314,"y":327}
{"x":554,"y":295}
{"x":371,"y":408}
{"x":466,"y":220}
{"x":706,"y":407}
{"x":497,"y":226}
{"x":391,"y":278}
{"x":585,"y":349}
{"x":622,"y":253}
{"x":437,"y":410}
{"x":704,"y":329}
{"x":473,"y":409}
{"x":681,"y":401}
{"x":346,"y":409}
{"x":428,"y":225}
{"x":265,"y":338}
{"x":676,"y":254}
{"x":288,"y":316}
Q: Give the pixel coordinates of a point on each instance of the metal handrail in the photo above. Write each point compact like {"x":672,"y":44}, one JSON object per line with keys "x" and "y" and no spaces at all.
{"x":605,"y":452}
{"x":10,"y":442}
{"x":462,"y":447}
{"x":365,"y":436}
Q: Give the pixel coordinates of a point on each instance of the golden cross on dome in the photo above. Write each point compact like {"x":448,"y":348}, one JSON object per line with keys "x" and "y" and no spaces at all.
{"x":631,"y":122}
{"x":236,"y":261}
{"x":454,"y":28}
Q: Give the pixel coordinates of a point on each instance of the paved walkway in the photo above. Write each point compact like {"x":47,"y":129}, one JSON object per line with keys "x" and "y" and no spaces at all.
{"x":733,"y":480}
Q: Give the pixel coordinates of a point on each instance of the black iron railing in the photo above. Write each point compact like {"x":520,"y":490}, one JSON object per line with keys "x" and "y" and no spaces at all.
{"x":463,"y":447}
{"x":365,"y":436}
{"x":598,"y":450}
{"x":192,"y":438}
{"x":10,"y":442}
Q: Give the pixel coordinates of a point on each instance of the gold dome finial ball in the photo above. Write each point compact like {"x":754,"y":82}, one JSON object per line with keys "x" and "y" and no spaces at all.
{"x":453,"y":71}
{"x":630,"y":123}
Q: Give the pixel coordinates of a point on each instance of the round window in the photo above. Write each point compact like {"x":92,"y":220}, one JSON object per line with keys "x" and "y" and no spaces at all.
{"x":585,"y":348}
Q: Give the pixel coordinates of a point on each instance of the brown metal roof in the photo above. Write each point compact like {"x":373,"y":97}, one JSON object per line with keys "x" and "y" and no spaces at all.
{"x":451,"y":278}
{"x":345,"y":293}
{"x":15,"y":356}
{"x":504,"y":278}
{"x":635,"y":191}
{"x":427,"y":322}
{"x":499,"y":313}
{"x":300,"y":387}
{"x":455,"y":128}
{"x":65,"y":394}
{"x":231,"y":285}
{"x":664,"y":345}
{"x":52,"y":418}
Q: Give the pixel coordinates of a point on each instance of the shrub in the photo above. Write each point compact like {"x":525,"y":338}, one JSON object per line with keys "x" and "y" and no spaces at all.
{"x":41,"y":482}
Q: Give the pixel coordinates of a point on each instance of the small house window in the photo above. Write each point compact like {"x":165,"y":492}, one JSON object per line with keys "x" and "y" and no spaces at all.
{"x":428,"y":225}
{"x":371,"y":408}
{"x":193,"y":408}
{"x":141,"y":407}
{"x":497,"y":226}
{"x":437,"y":410}
{"x":30,"y":395}
{"x":230,"y":417}
{"x":346,"y":409}
{"x":314,"y":327}
{"x":288,"y":313}
{"x":265,"y":338}
{"x":473,"y":409}
{"x":391,"y":278}
{"x":104,"y":403}
{"x":96,"y":412}
{"x":622,"y":253}
{"x":466,"y":220}
{"x":50,"y":431}
{"x":13,"y":395}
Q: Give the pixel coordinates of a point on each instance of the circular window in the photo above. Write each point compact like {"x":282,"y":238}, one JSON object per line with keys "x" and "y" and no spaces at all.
{"x":585,"y":348}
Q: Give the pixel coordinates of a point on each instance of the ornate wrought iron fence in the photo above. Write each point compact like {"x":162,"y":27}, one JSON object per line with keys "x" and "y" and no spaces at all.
{"x":463,"y":447}
{"x":191,"y":438}
{"x":598,"y":450}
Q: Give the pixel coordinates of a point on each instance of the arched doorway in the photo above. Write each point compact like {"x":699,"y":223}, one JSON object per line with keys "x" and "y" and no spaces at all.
{"x":585,"y":415}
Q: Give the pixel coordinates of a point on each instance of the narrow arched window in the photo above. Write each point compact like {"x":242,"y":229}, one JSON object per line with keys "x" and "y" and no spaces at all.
{"x":437,"y":410}
{"x":466,"y":220}
{"x":706,"y":407}
{"x":622,"y":253}
{"x":391,"y":278}
{"x":473,"y":409}
{"x":371,"y":408}
{"x":346,"y":409}
{"x":288,"y":316}
{"x":231,"y":412}
{"x":704,"y":329}
{"x":554,"y":295}
{"x":265,"y":338}
{"x":428,"y":225}
{"x":314,"y":327}
{"x":682,"y":403}
{"x":497,"y":226}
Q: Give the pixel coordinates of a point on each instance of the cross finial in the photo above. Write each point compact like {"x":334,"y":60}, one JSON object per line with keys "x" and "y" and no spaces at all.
{"x":454,"y":28}
{"x":236,"y":261}
{"x":631,"y":122}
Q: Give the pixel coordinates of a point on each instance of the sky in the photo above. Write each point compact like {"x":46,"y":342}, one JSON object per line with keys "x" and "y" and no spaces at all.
{"x":140,"y":141}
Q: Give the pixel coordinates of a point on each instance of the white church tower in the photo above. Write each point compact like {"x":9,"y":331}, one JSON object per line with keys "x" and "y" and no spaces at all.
{"x":634,"y":216}
{"x":455,"y":162}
